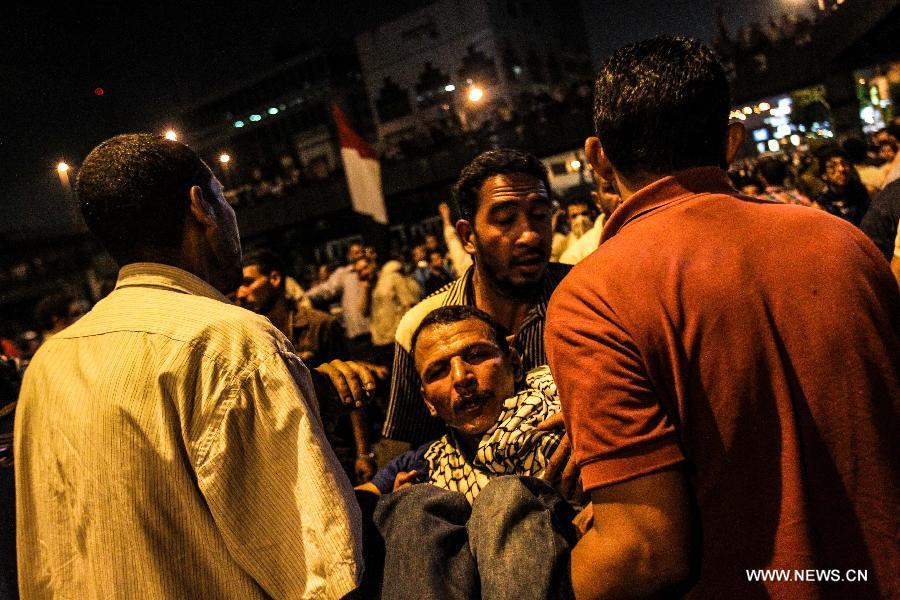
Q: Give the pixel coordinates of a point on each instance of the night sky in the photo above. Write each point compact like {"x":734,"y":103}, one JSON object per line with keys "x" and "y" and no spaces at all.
{"x":154,"y":59}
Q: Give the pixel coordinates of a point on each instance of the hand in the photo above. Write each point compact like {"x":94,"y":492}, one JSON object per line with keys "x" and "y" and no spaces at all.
{"x":365,"y":468}
{"x":561,"y":470}
{"x":405,"y":479}
{"x":347,"y":383}
{"x":444,"y":211}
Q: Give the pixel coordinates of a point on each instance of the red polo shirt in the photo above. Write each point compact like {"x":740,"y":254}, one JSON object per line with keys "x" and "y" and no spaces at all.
{"x":757,"y":345}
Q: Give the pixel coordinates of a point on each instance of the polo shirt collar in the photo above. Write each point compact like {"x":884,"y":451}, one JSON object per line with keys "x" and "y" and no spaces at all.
{"x":145,"y":274}
{"x":665,"y":191}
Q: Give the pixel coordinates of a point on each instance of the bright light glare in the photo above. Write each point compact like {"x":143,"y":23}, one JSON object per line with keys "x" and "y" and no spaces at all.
{"x":224,"y":158}
{"x":449,"y":87}
{"x":475,"y":93}
{"x":62,"y":167}
{"x":764,"y":106}
{"x":171,"y":134}
{"x":238,"y":124}
{"x":575,"y":164}
{"x":273,"y":111}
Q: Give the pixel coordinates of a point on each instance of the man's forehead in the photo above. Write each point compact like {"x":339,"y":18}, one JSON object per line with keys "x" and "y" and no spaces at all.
{"x":506,"y":186}
{"x":448,"y":338}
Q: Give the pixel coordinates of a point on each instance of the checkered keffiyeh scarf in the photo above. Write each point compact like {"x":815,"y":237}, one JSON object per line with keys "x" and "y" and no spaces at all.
{"x":513,"y":446}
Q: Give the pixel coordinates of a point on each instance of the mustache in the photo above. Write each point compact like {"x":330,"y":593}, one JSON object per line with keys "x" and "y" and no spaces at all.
{"x":528,"y":256}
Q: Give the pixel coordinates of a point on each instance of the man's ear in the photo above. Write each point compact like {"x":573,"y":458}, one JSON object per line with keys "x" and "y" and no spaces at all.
{"x":431,"y":409}
{"x":516,"y":362}
{"x":593,"y":151}
{"x":275,"y":278}
{"x":466,"y":233}
{"x":201,"y":209}
{"x":735,"y":138}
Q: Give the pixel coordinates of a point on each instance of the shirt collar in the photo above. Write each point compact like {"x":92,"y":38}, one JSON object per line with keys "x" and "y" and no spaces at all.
{"x":145,"y":274}
{"x":673,"y":188}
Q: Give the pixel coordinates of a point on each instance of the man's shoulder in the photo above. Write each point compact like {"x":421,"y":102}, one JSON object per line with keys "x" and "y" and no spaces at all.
{"x":196,"y":323}
{"x":417,"y":313}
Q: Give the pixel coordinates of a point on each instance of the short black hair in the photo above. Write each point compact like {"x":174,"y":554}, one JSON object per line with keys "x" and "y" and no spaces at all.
{"x":662,"y":105}
{"x":773,"y":169}
{"x":133,"y":191}
{"x":446,"y":315}
{"x":467,"y":189}
{"x":266,"y":261}
{"x":53,"y":306}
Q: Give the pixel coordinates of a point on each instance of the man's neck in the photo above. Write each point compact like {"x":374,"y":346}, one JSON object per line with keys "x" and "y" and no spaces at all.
{"x":509,"y":312}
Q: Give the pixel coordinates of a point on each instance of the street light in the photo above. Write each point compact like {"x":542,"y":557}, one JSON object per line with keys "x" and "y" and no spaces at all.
{"x":224,"y":158}
{"x":62,"y":167}
{"x":171,"y":134}
{"x":575,"y":164}
{"x":475,"y":94}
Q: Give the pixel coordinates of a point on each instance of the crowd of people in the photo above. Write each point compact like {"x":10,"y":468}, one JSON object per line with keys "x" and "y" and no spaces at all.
{"x":499,"y":123}
{"x":679,"y":376}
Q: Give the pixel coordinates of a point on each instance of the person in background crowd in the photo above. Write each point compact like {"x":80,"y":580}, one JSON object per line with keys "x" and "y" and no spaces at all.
{"x":318,"y":340}
{"x":420,"y":265}
{"x":725,"y":416}
{"x":56,"y":312}
{"x":168,"y":444}
{"x":881,"y":224}
{"x":390,"y":293}
{"x":344,"y":285}
{"x":438,"y":276}
{"x":869,"y":175}
{"x":845,"y":196}
{"x":503,"y":200}
{"x":489,"y":458}
{"x":580,"y":215}
{"x":887,"y":150}
{"x":460,"y":260}
{"x":606,"y":200}
{"x":773,"y":174}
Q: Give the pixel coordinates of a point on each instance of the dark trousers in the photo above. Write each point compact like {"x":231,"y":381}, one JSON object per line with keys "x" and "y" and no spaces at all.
{"x":512,"y":542}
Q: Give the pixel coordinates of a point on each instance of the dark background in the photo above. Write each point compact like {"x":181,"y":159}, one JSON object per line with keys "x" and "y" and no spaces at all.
{"x":152,"y":60}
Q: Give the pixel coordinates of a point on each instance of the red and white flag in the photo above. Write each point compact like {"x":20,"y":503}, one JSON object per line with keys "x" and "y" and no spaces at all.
{"x":362,"y":169}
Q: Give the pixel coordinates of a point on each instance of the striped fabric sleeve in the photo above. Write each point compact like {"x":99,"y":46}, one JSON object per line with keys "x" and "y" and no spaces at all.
{"x":302,"y":538}
{"x":407,"y":419}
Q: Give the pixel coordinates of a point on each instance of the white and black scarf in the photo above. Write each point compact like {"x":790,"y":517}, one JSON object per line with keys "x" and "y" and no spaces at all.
{"x":513,"y":446}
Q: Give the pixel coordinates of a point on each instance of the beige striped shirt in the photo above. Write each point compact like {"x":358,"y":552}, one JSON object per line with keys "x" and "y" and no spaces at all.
{"x":168,"y":445}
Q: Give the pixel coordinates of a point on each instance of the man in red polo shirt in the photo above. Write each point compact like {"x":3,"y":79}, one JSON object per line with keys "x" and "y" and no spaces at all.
{"x":729,"y":367}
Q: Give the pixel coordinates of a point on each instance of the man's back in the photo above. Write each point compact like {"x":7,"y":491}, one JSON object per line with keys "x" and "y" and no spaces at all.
{"x":176,"y":434}
{"x":761,"y":340}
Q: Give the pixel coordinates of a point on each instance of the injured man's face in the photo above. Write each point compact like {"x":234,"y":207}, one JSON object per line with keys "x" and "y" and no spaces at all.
{"x":465,"y":374}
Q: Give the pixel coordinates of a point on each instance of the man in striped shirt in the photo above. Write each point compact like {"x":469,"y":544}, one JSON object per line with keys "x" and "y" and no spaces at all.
{"x":169,"y":444}
{"x":503,"y":202}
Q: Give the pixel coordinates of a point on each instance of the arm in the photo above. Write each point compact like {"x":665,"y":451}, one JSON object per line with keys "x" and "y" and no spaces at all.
{"x":330,"y":290}
{"x":640,"y":543}
{"x":458,"y":256}
{"x":365,"y":465}
{"x":626,"y":446}
{"x":264,"y":468}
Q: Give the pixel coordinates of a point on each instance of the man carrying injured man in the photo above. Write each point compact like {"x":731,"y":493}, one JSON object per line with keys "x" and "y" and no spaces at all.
{"x":481,"y":514}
